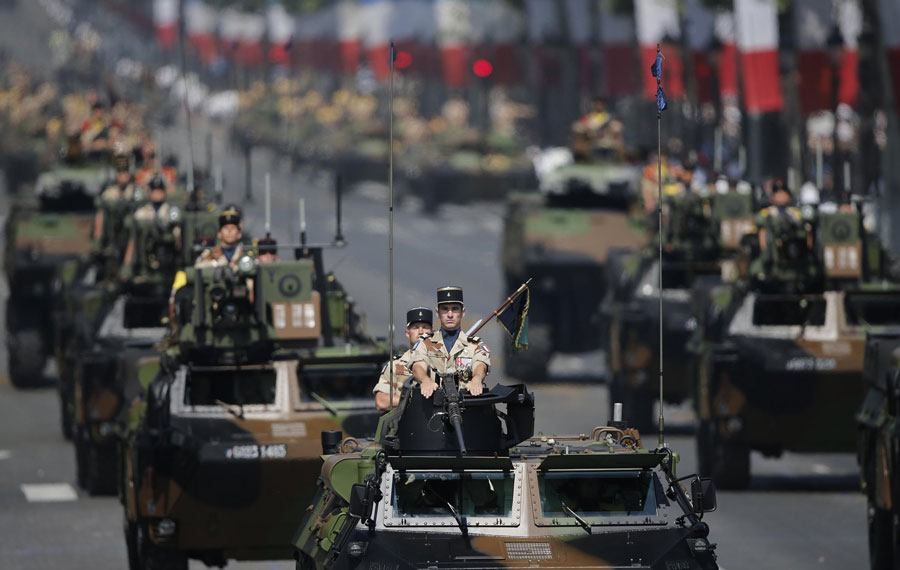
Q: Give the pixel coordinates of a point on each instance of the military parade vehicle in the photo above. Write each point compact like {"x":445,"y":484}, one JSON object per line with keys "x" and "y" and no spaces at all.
{"x":780,"y":356}
{"x":454,"y":481}
{"x":561,"y":237}
{"x":224,"y":450}
{"x":878,"y":452}
{"x":48,"y":239}
{"x":700,"y":234}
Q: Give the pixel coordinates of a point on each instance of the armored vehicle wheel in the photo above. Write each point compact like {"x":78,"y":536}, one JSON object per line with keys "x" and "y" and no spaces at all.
{"x":727,"y":462}
{"x":881,"y":538}
{"x":637,"y":405}
{"x":96,"y":466}
{"x":131,"y":544}
{"x":152,"y":557}
{"x":66,"y":414}
{"x":26,"y":358}
{"x":530,"y":365}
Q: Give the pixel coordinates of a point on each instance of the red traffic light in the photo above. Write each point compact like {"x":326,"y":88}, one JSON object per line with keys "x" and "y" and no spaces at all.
{"x":404,"y":59}
{"x":482,"y":68}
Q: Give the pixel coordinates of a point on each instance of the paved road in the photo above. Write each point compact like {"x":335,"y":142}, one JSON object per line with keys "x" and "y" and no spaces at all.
{"x":803,"y":512}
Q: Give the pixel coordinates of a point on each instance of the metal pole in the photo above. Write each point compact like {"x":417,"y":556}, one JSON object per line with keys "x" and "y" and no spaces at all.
{"x":391,"y":228}
{"x":187,"y":106}
{"x":819,"y":166}
{"x":268,"y":204}
{"x":662,"y":440}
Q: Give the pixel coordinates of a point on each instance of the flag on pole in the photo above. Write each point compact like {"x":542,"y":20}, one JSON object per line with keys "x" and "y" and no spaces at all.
{"x":656,"y":71}
{"x":514,"y":320}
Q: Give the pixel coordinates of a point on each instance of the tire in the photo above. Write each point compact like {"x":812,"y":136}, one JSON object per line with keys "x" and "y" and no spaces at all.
{"x":153,"y":557}
{"x":637,"y":405}
{"x":726,"y":461}
{"x":27,"y":358}
{"x":66,"y":413}
{"x":131,"y":544}
{"x":530,"y":365}
{"x":97,"y":466}
{"x":882,"y":555}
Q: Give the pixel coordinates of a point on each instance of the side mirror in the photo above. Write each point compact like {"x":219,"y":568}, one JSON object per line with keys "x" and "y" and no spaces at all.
{"x":703,"y":495}
{"x":361,"y":502}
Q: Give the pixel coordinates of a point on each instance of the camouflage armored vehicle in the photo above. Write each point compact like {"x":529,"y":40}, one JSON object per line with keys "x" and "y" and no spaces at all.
{"x":223,"y":457}
{"x":780,"y":358}
{"x":561,"y":238}
{"x":700,"y":233}
{"x":117,"y":325}
{"x":878,"y":452}
{"x":452,"y":481}
{"x":45,"y":233}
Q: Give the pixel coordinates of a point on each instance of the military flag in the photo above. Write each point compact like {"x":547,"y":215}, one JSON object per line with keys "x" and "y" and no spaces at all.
{"x":514,"y":319}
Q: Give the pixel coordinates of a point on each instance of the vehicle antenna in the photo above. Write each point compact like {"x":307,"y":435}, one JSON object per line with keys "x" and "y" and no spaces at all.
{"x":217,"y":181}
{"x":187,"y":106}
{"x":391,"y":56}
{"x":302,"y":223}
{"x":662,"y":440}
{"x":338,"y":190}
{"x":268,"y":204}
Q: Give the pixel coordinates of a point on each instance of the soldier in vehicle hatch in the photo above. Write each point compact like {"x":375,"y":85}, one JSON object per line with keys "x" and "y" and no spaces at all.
{"x":157,"y":216}
{"x":229,"y":249}
{"x":465,"y":354}
{"x":418,"y":323}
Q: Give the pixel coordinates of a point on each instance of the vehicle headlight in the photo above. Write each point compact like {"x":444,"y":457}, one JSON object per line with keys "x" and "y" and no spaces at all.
{"x":166,"y":527}
{"x":699,"y":545}
{"x":246,"y":265}
{"x":357,"y":549}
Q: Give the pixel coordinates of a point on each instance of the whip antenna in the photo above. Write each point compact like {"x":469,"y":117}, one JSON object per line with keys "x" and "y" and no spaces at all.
{"x":391,"y":56}
{"x":302,"y":223}
{"x":338,"y":190}
{"x":660,"y":106}
{"x":187,"y":106}
{"x":268,"y":204}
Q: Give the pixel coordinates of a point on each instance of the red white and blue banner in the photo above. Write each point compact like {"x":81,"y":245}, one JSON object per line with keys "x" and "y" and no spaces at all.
{"x":757,"y":39}
{"x":200,"y":29}
{"x":165,"y":22}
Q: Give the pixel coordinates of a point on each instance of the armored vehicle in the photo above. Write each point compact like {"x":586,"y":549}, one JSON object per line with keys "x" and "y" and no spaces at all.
{"x":780,"y":357}
{"x":224,"y":453}
{"x":700,"y":234}
{"x":48,"y":239}
{"x":453,"y":481}
{"x":561,"y":237}
{"x":877,"y":448}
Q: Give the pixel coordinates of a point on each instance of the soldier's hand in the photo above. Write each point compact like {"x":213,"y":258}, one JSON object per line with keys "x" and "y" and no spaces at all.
{"x":475,"y":387}
{"x":428,"y":387}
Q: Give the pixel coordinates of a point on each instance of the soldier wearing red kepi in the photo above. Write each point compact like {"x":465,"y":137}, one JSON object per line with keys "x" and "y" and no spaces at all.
{"x":449,"y":350}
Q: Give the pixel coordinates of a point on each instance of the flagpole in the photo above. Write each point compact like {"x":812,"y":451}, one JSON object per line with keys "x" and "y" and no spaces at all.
{"x":662,"y":441}
{"x":391,"y":228}
{"x":503,"y":306}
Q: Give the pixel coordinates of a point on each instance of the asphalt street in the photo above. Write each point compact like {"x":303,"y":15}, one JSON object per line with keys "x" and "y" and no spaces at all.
{"x":802,"y":512}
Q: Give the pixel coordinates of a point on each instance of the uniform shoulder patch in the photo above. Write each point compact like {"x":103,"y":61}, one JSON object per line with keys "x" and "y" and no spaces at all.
{"x":426,"y":335}
{"x":475,"y":339}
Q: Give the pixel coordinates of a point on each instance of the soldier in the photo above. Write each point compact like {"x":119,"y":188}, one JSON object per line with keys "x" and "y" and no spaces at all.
{"x":267,"y":250}
{"x":466,"y":354}
{"x":151,"y":167}
{"x":418,"y":323}
{"x":229,"y":249}
{"x":156,"y":212}
{"x":122,"y":188}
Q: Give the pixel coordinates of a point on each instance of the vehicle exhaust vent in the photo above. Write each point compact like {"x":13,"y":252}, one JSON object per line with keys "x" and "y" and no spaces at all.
{"x":528,"y":551}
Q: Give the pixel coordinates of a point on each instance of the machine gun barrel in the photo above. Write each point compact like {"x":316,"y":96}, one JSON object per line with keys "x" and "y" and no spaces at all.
{"x":454,"y":411}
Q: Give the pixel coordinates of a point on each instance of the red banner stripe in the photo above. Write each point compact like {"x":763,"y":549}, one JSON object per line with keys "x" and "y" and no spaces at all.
{"x":762,"y":85}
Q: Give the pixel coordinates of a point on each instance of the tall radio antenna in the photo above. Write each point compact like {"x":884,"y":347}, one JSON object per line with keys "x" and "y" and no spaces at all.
{"x":187,"y":103}
{"x":659,"y":110}
{"x":391,"y":56}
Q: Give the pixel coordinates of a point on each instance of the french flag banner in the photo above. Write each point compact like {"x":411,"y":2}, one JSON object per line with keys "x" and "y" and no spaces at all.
{"x":617,"y":38}
{"x":280,"y":33}
{"x":723,"y":28}
{"x":757,"y":39}
{"x":453,"y":36}
{"x":165,"y":22}
{"x":657,"y":23}
{"x":375,"y":16}
{"x":200,"y":29}
{"x":347,"y":28}
{"x":700,"y":32}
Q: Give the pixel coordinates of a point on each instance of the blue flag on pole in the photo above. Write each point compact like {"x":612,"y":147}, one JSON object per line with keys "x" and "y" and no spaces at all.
{"x":656,"y":66}
{"x":392,"y":55}
{"x":656,"y":71}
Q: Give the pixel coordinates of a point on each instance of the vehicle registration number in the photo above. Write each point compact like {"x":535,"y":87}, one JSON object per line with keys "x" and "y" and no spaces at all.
{"x":274,"y":451}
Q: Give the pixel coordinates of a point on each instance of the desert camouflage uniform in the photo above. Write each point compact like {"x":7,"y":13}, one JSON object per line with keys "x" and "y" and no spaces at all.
{"x":464,"y":353}
{"x":215,"y":257}
{"x":402,"y":371}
